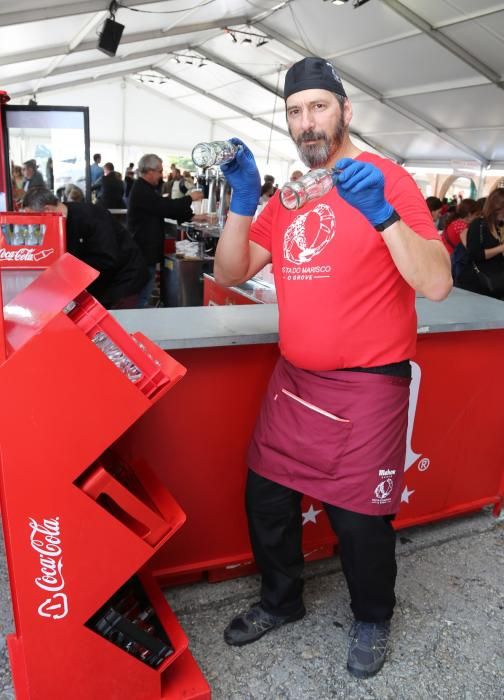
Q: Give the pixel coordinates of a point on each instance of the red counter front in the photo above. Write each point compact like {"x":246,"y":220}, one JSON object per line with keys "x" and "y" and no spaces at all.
{"x":454,"y":462}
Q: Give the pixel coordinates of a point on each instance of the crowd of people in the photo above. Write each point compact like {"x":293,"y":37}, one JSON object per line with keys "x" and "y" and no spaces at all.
{"x":126,"y":258}
{"x":473,"y":234}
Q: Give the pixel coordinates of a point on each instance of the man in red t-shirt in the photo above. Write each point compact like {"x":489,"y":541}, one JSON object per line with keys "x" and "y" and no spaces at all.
{"x":334,"y":419}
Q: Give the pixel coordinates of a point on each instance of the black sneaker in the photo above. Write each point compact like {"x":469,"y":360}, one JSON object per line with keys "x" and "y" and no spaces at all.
{"x":251,"y":625}
{"x":368,"y":646}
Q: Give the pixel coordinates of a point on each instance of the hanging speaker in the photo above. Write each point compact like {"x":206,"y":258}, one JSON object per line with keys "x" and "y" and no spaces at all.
{"x":110,"y":36}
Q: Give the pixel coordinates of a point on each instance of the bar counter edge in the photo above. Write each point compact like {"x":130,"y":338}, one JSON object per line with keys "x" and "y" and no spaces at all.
{"x":211,"y":326}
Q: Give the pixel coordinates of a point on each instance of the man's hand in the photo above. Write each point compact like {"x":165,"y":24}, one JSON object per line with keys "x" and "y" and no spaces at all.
{"x":196,"y":195}
{"x":243,"y":176}
{"x":362,"y":185}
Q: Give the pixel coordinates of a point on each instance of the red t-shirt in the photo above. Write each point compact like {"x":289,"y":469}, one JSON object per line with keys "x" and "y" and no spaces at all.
{"x":451,"y":234}
{"x":342,"y":302}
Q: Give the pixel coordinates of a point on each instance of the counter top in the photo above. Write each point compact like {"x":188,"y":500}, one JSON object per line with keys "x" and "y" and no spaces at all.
{"x":209,"y":326}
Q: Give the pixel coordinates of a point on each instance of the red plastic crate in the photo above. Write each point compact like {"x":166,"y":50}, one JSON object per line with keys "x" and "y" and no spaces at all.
{"x":92,"y":318}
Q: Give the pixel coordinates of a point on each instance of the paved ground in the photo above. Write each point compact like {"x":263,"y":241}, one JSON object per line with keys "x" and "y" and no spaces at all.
{"x":447,"y":639}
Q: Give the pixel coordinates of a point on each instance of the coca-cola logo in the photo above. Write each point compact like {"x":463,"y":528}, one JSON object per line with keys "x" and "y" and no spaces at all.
{"x":45,"y":539}
{"x":24,"y":254}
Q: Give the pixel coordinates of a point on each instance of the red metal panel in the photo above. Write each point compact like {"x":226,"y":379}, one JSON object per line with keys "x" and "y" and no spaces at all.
{"x":454,"y":464}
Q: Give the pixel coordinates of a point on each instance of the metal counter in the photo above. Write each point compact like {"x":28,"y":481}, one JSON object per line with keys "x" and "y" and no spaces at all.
{"x":210,"y":326}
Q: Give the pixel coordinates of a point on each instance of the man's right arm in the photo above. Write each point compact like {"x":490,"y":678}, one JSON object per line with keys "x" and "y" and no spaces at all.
{"x":237,"y":259}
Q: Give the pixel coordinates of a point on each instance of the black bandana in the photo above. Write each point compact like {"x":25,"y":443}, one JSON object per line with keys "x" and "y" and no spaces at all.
{"x":312,"y":72}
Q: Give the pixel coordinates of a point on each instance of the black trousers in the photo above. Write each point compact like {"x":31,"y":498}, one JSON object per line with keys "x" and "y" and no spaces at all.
{"x":367,"y":551}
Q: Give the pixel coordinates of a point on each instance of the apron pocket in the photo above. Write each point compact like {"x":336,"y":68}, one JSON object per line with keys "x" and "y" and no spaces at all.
{"x":306,"y":434}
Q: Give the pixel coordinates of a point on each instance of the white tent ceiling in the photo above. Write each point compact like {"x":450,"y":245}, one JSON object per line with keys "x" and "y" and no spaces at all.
{"x":426,"y":77}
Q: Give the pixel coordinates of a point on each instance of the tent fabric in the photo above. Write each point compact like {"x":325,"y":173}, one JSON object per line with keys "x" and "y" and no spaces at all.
{"x":425,"y":77}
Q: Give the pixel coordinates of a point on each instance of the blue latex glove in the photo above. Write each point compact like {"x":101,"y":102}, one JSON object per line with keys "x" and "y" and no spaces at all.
{"x":243,"y":176}
{"x":362,"y":185}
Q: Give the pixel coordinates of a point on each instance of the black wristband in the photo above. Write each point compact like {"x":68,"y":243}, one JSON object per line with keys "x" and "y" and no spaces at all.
{"x":388,"y":222}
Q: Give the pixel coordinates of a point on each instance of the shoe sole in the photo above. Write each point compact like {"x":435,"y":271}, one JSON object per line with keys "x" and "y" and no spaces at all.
{"x":361,"y":673}
{"x":244,"y":642}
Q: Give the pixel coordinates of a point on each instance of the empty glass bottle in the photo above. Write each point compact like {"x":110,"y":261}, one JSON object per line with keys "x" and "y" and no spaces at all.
{"x":314,"y":184}
{"x":204,"y":155}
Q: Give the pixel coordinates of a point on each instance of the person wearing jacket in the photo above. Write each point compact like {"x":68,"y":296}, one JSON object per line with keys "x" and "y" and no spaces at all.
{"x":96,"y":238}
{"x":147,"y":210}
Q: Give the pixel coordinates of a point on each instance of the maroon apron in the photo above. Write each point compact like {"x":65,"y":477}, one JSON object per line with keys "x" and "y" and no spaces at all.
{"x":338,"y":436}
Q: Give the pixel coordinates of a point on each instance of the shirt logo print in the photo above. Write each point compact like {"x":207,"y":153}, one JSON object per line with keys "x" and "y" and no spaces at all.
{"x":299,"y":248}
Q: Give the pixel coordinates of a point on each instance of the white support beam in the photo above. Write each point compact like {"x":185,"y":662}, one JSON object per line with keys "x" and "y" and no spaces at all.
{"x":407,"y":113}
{"x":220,"y":101}
{"x":76,"y":67}
{"x":81,"y":81}
{"x":55,"y":11}
{"x":59,"y":50}
{"x":445,"y":41}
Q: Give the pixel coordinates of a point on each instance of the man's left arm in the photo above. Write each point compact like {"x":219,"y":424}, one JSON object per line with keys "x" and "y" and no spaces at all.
{"x":423,"y":263}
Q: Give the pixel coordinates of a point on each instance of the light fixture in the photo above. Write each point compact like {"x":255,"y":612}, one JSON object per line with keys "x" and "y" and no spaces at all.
{"x":261,"y":38}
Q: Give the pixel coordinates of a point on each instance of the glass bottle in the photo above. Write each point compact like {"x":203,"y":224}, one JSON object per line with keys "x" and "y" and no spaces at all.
{"x":204,"y":155}
{"x":314,"y":184}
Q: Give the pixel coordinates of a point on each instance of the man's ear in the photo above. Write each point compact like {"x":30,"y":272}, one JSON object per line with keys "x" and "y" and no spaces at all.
{"x":347,"y":112}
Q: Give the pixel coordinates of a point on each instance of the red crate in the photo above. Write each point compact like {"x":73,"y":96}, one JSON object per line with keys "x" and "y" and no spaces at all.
{"x":156,"y":368}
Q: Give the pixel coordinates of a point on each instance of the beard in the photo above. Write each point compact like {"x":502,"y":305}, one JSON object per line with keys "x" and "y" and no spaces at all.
{"x":316,"y":155}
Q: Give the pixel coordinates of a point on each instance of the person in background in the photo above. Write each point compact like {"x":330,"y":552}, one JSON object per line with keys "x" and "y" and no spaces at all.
{"x":435,"y":205}
{"x":188,"y":181}
{"x":17,"y":184}
{"x":129,"y":179}
{"x":96,"y":238}
{"x":296,"y":175}
{"x":32,"y":177}
{"x":178,"y":188}
{"x":485,"y":248}
{"x":96,"y":169}
{"x":267,"y":191}
{"x":73,"y":194}
{"x":270,"y":180}
{"x":147,"y":210}
{"x":457,"y":223}
{"x":110,"y":189}
{"x":334,"y":419}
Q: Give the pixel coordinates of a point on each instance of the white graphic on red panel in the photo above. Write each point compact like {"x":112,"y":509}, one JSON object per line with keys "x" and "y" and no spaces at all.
{"x":45,"y":539}
{"x":405,"y":496}
{"x":411,"y":456}
{"x":24,"y":254}
{"x":310,"y":516}
{"x":55,"y":607}
{"x":301,"y":246}
{"x":416,"y":376}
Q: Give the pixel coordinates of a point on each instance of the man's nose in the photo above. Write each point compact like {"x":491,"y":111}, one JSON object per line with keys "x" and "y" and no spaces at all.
{"x":306,"y":120}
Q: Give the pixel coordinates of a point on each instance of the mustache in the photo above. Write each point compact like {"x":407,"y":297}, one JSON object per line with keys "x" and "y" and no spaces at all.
{"x":311,"y":135}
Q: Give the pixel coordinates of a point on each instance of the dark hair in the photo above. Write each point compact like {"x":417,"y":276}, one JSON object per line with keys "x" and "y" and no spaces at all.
{"x":434,"y":203}
{"x":465,"y":208}
{"x":480,"y":203}
{"x":97,"y":157}
{"x":39,"y":197}
{"x":109,"y":166}
{"x":494,"y":202}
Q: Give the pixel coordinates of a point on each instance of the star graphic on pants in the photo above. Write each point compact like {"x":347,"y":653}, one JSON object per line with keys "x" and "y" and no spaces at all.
{"x":311,"y":515}
{"x":406,"y":494}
